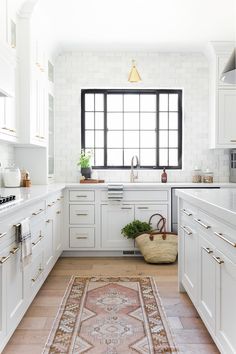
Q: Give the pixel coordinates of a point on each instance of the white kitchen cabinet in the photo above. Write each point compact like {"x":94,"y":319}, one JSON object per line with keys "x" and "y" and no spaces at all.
{"x":15,"y":287}
{"x":206,"y":291}
{"x":190,"y":257}
{"x":227,"y":117}
{"x":113,"y":219}
{"x":57,"y":232}
{"x":222,"y":98}
{"x":3,"y":295}
{"x":225,"y":302}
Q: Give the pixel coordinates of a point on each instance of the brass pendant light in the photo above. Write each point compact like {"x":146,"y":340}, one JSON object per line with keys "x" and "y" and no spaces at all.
{"x":134,"y":75}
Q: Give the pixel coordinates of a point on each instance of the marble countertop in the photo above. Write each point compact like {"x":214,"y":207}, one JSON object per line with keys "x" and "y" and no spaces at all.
{"x":219,"y":202}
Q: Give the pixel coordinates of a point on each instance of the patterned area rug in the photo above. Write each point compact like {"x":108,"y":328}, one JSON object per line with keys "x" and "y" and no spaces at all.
{"x":110,"y":315}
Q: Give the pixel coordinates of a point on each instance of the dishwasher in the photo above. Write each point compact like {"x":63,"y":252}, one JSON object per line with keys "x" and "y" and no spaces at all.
{"x":174,"y":205}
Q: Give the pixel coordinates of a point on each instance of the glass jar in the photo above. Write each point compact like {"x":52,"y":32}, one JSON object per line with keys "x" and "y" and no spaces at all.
{"x":208,"y":177}
{"x":197,"y":175}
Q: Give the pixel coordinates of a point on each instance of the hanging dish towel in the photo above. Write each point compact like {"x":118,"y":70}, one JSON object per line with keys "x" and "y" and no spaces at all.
{"x":115,"y":192}
{"x":25,"y":239}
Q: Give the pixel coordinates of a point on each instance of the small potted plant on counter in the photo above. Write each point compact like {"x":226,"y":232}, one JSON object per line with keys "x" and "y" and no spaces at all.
{"x":84,"y":163}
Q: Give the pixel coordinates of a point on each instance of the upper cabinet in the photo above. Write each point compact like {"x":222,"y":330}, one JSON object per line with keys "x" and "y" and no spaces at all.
{"x":222,"y":98}
{"x":8,"y":24}
{"x":33,"y":93}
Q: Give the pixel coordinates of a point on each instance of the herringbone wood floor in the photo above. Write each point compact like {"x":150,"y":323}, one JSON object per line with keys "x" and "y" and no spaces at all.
{"x":31,"y":334}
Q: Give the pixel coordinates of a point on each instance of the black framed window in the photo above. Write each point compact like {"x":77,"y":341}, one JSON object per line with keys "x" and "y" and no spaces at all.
{"x":118,"y":124}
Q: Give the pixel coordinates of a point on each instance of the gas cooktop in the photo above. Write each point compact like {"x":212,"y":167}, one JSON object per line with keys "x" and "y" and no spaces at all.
{"x":8,"y":201}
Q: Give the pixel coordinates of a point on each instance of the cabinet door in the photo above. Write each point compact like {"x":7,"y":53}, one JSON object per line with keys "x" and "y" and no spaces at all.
{"x":48,"y":241}
{"x":57,"y":232}
{"x":3,"y":21}
{"x":206,"y":281}
{"x":143,"y":212}
{"x":113,"y":219}
{"x":190,"y":260}
{"x":225,"y":303}
{"x":227,"y":114}
{"x":3,"y":296}
{"x":15,"y":288}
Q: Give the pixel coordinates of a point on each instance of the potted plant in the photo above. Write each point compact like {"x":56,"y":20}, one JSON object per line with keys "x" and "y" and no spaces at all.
{"x":84,"y":163}
{"x":135,"y":228}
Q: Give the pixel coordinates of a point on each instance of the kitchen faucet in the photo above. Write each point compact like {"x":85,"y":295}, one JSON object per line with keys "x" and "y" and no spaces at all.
{"x":134,"y":176}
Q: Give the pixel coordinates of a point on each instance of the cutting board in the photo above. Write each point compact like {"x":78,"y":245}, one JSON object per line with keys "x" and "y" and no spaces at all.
{"x":90,"y":180}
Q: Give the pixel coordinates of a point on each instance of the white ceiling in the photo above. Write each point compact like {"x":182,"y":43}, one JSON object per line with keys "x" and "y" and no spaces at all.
{"x":135,"y":24}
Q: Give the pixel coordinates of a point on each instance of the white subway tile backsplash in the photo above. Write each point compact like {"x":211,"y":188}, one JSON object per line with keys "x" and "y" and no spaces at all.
{"x":189,"y":71}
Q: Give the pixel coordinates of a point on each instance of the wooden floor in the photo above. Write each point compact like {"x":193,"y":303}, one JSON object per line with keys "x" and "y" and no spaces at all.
{"x":31,"y":334}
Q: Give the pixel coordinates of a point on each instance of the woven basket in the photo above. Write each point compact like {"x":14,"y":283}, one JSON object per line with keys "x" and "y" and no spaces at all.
{"x":158,"y":246}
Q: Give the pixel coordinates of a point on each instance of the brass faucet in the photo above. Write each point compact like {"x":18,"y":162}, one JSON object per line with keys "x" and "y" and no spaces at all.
{"x":134,"y":176}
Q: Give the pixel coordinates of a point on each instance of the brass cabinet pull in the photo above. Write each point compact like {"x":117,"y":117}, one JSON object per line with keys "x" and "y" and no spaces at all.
{"x":233,"y":141}
{"x":58,"y":212}
{"x":82,"y":196}
{"x":3,"y":234}
{"x":218,"y":260}
{"x":58,"y":199}
{"x":220,"y":235}
{"x":48,"y":221}
{"x":124,"y":208}
{"x":80,"y":214}
{"x":50,"y":205}
{"x":4,"y":259}
{"x":39,"y":239}
{"x":37,"y":276}
{"x":81,"y":237}
{"x":37,"y":212}
{"x":15,"y":250}
{"x":9,"y":129}
{"x":143,"y":208}
{"x":188,"y":232}
{"x":186,"y":212}
{"x":202,"y":224}
{"x":207,"y":249}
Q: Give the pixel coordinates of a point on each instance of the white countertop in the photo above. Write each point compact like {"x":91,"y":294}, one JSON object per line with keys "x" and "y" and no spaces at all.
{"x":219,"y":202}
{"x":28,"y":195}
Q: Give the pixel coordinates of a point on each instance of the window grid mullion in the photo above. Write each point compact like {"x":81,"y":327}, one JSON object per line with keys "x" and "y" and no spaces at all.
{"x":105,"y":129}
{"x":157,"y":129}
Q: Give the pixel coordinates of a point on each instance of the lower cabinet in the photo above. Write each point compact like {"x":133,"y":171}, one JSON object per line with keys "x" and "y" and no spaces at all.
{"x":143,"y":212}
{"x":3,"y":296}
{"x":113,"y":219}
{"x":57,"y":229}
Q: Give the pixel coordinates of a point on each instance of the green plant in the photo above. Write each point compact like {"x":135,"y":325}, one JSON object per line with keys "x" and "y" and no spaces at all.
{"x":135,"y":228}
{"x":84,"y":160}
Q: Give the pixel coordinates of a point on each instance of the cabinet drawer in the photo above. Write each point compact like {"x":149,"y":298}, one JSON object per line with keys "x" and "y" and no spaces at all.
{"x":37,"y":212}
{"x":141,"y":195}
{"x":81,"y":214}
{"x":81,"y":195}
{"x":81,"y":237}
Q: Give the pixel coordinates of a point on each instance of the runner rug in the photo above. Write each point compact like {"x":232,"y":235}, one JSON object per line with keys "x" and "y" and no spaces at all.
{"x":110,"y":315}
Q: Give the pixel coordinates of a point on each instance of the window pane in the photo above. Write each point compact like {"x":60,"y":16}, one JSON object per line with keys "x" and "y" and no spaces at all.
{"x":89,"y":139}
{"x":163,"y":102}
{"x":148,"y":121}
{"x":163,"y":157}
{"x":89,"y":120}
{"x":128,"y":154}
{"x":148,"y":103}
{"x":131,"y":103}
{"x":114,"y":157}
{"x":99,"y":139}
{"x":148,"y":157}
{"x":99,"y":104}
{"x":89,"y":102}
{"x":131,"y":121}
{"x":114,"y":121}
{"x":92,"y":155}
{"x":163,"y":139}
{"x":173,"y":139}
{"x":163,"y":120}
{"x":114,"y":139}
{"x":99,"y":157}
{"x":114,"y":103}
{"x":131,"y":139}
{"x":173,"y":157}
{"x":173,"y":102}
{"x":173,"y":120}
{"x":99,"y":120}
{"x":148,"y":139}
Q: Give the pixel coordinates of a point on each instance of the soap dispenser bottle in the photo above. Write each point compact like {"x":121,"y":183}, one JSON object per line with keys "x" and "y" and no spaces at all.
{"x":164,"y":176}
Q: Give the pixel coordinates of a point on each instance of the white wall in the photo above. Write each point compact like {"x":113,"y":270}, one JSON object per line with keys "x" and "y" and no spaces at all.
{"x":6,"y":157}
{"x":189,"y":71}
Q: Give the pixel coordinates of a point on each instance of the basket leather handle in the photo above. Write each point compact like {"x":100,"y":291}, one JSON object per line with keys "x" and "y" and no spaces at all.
{"x":160,"y":229}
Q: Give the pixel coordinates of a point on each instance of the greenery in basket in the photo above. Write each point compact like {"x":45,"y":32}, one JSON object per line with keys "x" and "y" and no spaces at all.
{"x":135,"y":228}
{"x":84,"y":160}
